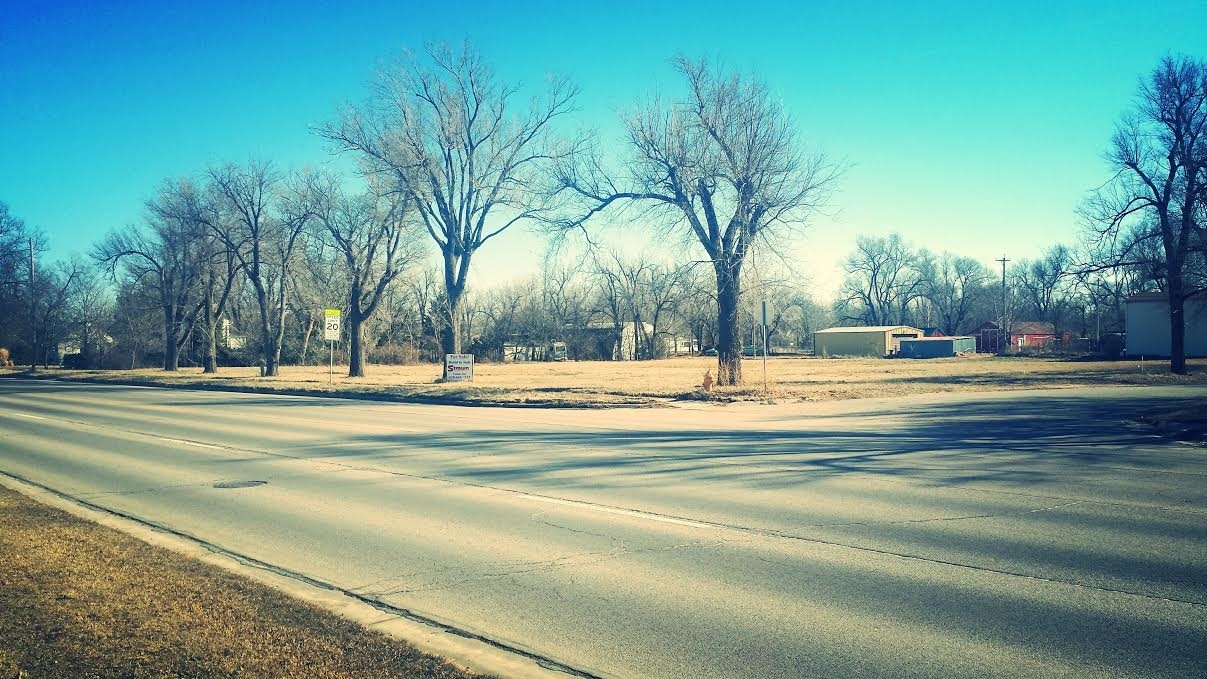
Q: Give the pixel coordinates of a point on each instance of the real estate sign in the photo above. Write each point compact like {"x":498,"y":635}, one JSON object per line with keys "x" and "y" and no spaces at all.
{"x":458,"y":367}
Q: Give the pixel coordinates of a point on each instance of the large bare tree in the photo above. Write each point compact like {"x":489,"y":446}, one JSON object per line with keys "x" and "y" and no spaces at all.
{"x":955,"y":288}
{"x":1045,"y":284}
{"x":374,"y":235}
{"x":722,"y":165}
{"x":262,"y":219}
{"x":463,"y":148}
{"x":1159,"y":190}
{"x":15,"y":311}
{"x":168,"y":255}
{"x":885,"y":275}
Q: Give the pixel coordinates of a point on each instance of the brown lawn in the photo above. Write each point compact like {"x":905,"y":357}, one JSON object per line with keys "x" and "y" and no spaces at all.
{"x":81,"y":600}
{"x":645,"y":382}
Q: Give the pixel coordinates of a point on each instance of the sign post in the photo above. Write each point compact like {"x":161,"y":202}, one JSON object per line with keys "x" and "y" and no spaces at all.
{"x":331,"y":334}
{"x":764,"y":347}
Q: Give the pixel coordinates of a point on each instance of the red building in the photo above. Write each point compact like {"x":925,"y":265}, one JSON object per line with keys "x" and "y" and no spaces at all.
{"x":1024,"y":335}
{"x":1032,"y":335}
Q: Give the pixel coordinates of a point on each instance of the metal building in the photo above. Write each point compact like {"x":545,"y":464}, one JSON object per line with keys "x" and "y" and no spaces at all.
{"x":1148,"y":325}
{"x":875,"y":340}
{"x":937,"y":347}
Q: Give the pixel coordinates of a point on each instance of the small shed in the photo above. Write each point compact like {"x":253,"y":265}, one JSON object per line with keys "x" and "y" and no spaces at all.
{"x":937,"y":347}
{"x":989,"y":338}
{"x":874,"y":340}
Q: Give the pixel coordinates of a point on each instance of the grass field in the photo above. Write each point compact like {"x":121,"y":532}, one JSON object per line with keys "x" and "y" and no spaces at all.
{"x":647,"y":382}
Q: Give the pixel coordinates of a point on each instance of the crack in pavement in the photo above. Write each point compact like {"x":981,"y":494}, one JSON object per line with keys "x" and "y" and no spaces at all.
{"x":940,"y":519}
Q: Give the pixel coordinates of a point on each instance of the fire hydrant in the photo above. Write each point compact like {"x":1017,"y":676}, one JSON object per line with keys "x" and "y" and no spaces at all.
{"x":708,"y":381}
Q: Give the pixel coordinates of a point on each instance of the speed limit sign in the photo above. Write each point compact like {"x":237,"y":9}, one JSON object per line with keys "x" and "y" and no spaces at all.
{"x":331,"y":325}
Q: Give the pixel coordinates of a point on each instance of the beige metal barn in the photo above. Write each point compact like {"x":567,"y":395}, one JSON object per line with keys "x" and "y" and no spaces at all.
{"x":874,"y":340}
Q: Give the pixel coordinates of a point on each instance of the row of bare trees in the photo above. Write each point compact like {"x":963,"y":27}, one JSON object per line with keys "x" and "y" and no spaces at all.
{"x":252,"y":229}
{"x":38,"y":302}
{"x":1144,"y":230}
{"x":889,"y":281}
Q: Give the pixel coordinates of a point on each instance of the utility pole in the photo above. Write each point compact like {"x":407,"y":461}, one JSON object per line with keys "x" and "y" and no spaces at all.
{"x":1005,"y":331}
{"x":33,"y":312}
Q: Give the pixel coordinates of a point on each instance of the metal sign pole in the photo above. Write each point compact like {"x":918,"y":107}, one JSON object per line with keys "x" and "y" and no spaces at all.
{"x":764,"y":347}
{"x":331,"y":364}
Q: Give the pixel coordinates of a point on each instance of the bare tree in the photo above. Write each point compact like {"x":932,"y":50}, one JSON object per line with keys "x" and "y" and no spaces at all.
{"x":884,"y":276}
{"x":168,"y":256}
{"x":377,"y":242}
{"x":611,"y":300}
{"x":51,"y":296}
{"x":1158,"y":192}
{"x":219,"y":265}
{"x":15,"y":279}
{"x":460,"y":146}
{"x":1043,"y":283}
{"x":89,"y":312}
{"x":135,"y":323}
{"x":262,"y":220}
{"x":723,"y":164}
{"x":954,"y":290}
{"x":13,"y":235}
{"x":698,"y":311}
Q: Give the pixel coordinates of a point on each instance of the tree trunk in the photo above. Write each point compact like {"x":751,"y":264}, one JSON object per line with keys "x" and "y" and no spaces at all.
{"x":729,"y":342}
{"x":171,"y":343}
{"x":211,"y":333}
{"x":356,"y":347}
{"x":450,"y":334}
{"x":1177,"y":324}
{"x":278,"y":340}
{"x":171,"y":356}
{"x":310,"y":321}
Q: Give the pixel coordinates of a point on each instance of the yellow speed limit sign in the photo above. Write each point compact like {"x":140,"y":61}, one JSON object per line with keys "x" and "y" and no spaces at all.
{"x":331,"y":325}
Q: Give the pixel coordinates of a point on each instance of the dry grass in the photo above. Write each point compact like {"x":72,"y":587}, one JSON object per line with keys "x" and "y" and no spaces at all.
{"x":646,"y":382}
{"x":81,"y":600}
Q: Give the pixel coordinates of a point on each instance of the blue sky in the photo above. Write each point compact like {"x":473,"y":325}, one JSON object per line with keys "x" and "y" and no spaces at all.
{"x":972,"y":129}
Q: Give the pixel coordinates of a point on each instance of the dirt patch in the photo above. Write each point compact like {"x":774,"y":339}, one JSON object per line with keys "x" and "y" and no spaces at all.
{"x":82,"y":600}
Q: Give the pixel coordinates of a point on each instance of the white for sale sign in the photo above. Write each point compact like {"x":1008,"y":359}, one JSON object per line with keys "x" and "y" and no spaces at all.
{"x":458,"y":367}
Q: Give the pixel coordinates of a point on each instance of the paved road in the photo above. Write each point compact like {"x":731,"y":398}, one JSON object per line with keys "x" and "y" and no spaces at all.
{"x":999,"y":534}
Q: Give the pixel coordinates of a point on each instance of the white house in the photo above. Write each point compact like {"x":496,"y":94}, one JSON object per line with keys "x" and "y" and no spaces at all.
{"x":1148,"y":325}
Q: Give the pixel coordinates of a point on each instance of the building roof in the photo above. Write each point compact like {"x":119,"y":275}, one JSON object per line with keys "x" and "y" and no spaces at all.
{"x":945,"y":338}
{"x":1149,"y":297}
{"x":1032,"y":328}
{"x":867,"y":328}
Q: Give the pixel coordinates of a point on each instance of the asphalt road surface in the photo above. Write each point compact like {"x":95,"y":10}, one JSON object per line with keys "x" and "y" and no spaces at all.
{"x":1005,"y":534}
